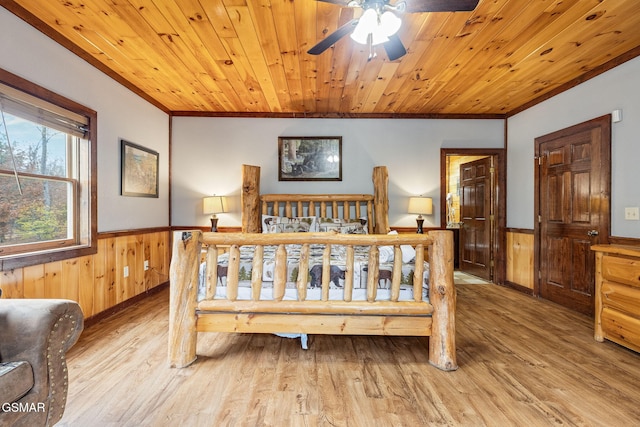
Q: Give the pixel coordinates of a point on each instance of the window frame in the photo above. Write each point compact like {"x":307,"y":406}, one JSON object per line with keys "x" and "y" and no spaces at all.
{"x":78,"y":249}
{"x":52,"y":244}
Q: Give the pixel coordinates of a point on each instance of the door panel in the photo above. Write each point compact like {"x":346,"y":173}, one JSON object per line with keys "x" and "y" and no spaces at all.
{"x":475,"y":216}
{"x":573,"y":191}
{"x":581,"y":197}
{"x":556,"y":265}
{"x":584,"y":277}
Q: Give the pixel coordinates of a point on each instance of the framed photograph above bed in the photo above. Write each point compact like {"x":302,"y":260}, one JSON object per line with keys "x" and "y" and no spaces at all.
{"x":310,"y":158}
{"x":139,"y":171}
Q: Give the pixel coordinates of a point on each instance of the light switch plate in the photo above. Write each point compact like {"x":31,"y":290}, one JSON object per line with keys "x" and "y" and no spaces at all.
{"x":632,"y":214}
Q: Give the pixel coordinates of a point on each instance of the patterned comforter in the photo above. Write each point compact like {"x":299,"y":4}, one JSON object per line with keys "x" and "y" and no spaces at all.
{"x":314,"y":280}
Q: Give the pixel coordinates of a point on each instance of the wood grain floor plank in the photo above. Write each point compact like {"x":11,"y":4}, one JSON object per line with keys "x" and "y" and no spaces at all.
{"x":523,"y":361}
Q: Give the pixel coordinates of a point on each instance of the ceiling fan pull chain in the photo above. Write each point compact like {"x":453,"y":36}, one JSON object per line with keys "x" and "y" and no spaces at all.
{"x":372,"y":53}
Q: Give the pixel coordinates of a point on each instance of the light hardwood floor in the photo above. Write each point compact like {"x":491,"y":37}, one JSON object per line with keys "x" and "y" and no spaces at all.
{"x":523,"y":362}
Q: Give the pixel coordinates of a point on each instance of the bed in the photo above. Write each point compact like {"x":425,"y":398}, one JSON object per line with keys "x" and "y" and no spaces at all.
{"x":348,"y":277}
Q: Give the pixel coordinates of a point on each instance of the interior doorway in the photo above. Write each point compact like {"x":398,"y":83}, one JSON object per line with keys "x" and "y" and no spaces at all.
{"x":470,"y":204}
{"x":572,"y":189}
{"x":477,"y":220}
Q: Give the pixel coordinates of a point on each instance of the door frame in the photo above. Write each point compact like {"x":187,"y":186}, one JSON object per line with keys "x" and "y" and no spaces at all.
{"x":499,"y":201}
{"x":603,"y":122}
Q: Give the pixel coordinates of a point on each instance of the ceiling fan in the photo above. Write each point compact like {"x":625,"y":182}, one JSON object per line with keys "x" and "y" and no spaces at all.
{"x":380,"y":22}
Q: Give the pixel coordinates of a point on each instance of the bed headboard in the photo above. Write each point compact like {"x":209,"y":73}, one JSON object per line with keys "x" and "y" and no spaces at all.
{"x":374,"y":207}
{"x":345,"y":206}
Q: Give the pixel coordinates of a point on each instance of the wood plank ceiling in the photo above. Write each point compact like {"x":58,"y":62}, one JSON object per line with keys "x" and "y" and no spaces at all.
{"x":249,"y":57}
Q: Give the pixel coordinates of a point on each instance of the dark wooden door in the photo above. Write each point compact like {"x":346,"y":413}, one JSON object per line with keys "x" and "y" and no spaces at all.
{"x":573,"y":190}
{"x":476,"y":218}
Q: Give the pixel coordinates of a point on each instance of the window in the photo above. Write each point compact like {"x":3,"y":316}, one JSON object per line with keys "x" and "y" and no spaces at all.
{"x":47,"y":175}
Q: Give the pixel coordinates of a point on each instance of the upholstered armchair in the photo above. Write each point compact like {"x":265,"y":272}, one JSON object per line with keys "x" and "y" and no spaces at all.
{"x":35,"y":335}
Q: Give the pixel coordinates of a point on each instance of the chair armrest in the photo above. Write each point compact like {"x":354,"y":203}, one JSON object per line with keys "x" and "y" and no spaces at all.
{"x":41,"y":331}
{"x":27,"y":326}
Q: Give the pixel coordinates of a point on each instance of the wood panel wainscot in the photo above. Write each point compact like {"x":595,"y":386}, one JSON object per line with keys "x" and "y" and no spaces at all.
{"x":98,"y":282}
{"x":519,"y":254}
{"x":617,"y":316}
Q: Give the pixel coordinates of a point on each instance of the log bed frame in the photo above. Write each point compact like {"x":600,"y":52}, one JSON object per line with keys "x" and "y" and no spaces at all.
{"x":188,"y":316}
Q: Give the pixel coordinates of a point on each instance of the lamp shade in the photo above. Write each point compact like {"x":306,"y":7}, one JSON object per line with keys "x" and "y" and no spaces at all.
{"x":213,"y":205}
{"x":421,"y":205}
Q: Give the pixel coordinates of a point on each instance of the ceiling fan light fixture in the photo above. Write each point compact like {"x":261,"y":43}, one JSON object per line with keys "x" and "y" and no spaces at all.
{"x":390,"y":23}
{"x":366,"y":24}
{"x":378,"y":37}
{"x":379,"y":26}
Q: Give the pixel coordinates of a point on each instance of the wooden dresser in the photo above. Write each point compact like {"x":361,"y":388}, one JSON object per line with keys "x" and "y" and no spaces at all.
{"x":617,"y":299}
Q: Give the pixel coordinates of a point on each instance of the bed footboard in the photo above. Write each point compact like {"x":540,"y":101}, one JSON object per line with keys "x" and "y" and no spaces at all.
{"x":370,"y":316}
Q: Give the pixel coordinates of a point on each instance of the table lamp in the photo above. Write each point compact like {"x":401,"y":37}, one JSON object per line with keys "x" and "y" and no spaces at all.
{"x":213,"y":205}
{"x":420,"y":206}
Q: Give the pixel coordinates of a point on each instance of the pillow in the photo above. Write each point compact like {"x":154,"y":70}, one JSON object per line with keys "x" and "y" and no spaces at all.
{"x":280,"y":224}
{"x":385,"y":254}
{"x":408,"y":252}
{"x":343,"y":226}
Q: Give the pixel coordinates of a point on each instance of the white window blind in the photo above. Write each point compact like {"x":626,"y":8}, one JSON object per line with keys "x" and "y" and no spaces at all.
{"x":37,"y":110}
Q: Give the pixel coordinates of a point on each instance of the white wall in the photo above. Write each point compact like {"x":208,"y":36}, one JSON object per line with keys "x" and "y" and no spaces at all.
{"x":26,"y":52}
{"x":207,"y":154}
{"x":616,"y":89}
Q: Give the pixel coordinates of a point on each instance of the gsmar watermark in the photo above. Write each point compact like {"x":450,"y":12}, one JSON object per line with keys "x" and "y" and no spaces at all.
{"x":23,"y":407}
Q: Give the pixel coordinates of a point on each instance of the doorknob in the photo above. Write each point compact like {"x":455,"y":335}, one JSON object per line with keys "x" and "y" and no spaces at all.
{"x":592,"y":233}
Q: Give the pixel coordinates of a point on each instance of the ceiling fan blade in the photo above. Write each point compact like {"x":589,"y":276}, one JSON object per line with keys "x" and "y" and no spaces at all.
{"x":328,"y":41}
{"x":394,"y":48}
{"x":417,"y":6}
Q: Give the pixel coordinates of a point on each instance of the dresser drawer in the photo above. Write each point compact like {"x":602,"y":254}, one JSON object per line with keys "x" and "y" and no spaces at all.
{"x":620,"y":328}
{"x":621,"y":270}
{"x":621,"y":297}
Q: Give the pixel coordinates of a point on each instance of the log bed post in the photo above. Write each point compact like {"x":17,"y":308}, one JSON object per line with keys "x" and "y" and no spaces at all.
{"x":381,"y":199}
{"x":183,"y":295}
{"x":442,"y":295}
{"x":250,"y":199}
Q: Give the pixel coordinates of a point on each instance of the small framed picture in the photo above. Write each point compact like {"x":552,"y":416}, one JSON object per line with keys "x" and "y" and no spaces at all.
{"x":139,"y":170}
{"x":310,"y":158}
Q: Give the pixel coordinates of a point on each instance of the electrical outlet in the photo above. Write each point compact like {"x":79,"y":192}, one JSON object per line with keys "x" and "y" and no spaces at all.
{"x":631,"y":214}
{"x":126,"y":271}
{"x":146,"y":264}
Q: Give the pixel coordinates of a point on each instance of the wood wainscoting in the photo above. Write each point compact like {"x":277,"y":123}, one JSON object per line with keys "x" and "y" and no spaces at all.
{"x":97,"y":282}
{"x":520,"y":258}
{"x":519,"y":254}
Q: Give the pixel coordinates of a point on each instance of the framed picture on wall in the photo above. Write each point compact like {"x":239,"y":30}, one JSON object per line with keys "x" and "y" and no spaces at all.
{"x":310,"y":158}
{"x":139,"y":170}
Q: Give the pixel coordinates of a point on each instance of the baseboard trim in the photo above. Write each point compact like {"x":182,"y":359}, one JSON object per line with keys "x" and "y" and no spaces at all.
{"x":517,"y":287}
